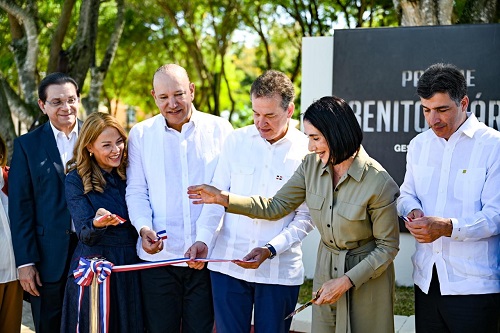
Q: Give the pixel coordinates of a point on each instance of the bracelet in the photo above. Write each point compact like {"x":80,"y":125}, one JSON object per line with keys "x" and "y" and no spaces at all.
{"x":271,"y":249}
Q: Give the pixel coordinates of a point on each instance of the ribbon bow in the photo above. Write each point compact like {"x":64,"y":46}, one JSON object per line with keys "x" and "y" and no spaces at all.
{"x":84,"y":275}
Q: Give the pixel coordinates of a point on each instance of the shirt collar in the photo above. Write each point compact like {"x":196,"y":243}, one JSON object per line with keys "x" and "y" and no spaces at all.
{"x":195,"y":116}
{"x":469,"y":127}
{"x":56,"y":131}
{"x":358,"y":165}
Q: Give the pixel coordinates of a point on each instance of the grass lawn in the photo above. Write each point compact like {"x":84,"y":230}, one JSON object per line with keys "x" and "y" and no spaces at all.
{"x":403,"y":306}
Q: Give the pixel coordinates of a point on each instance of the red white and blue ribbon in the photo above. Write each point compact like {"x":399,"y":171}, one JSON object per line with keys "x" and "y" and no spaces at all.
{"x":161,"y":235}
{"x":84,"y":274}
{"x":102,"y":269}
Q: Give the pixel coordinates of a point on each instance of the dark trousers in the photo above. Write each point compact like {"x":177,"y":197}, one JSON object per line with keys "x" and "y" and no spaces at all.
{"x":455,"y":313}
{"x":234,"y":300}
{"x":47,"y":308}
{"x":175,"y":297}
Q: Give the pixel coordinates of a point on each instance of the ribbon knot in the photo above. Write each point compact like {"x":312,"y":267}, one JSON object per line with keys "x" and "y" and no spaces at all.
{"x":84,"y":275}
{"x":87,"y":268}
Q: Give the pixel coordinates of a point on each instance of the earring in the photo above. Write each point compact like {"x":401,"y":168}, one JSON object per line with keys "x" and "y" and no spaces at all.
{"x":91,"y":154}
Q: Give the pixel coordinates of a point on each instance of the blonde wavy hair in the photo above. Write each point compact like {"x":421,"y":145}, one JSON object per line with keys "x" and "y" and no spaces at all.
{"x":86,"y":165}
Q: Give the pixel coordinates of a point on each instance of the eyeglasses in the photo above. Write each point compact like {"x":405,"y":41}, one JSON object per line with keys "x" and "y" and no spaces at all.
{"x":58,"y":102}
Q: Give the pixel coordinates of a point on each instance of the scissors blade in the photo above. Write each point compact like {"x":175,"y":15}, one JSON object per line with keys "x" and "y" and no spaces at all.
{"x":302,"y":307}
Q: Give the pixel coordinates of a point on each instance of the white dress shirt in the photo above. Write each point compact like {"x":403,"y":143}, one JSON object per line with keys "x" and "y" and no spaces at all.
{"x":251,"y":165}
{"x":8,"y":271}
{"x":162,"y":164}
{"x":457,"y":179}
{"x":65,"y":143}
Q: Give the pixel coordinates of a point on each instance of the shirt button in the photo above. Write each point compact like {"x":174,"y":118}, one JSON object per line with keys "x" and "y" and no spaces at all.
{"x":331,"y":241}
{"x":328,"y":225}
{"x":336,"y":190}
{"x":330,"y":207}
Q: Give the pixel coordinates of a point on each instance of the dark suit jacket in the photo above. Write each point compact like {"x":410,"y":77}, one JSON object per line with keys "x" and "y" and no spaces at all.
{"x":40,"y":222}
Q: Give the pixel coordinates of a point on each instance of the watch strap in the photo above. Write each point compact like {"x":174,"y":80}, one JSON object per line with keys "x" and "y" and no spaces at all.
{"x":272,"y":250}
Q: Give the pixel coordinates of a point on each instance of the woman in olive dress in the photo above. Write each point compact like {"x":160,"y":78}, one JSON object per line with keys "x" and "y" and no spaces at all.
{"x":352,"y":202}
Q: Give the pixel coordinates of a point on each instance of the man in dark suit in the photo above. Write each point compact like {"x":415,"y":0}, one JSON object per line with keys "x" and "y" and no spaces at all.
{"x":41,"y":228}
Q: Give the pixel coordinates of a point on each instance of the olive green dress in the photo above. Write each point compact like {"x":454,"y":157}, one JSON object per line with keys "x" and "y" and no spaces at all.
{"x":358,"y":224}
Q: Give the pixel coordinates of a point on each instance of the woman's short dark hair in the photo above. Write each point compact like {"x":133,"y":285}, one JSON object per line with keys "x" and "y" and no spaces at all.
{"x":55,"y":78}
{"x":334,"y":118}
{"x":442,"y":78}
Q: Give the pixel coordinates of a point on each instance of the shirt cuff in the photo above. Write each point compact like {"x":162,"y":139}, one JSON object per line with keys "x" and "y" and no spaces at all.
{"x":26,"y":265}
{"x":360,"y":274}
{"x":279,"y":243}
{"x":458,"y":232}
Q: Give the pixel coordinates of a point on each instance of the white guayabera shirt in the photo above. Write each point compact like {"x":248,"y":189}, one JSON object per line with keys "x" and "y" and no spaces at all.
{"x":250,"y":165}
{"x":162,"y":164}
{"x":457,"y":179}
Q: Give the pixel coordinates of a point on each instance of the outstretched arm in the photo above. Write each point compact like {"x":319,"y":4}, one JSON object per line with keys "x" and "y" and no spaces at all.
{"x":206,"y":194}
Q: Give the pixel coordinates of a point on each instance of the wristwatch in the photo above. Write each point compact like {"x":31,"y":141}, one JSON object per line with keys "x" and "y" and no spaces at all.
{"x":272,"y":250}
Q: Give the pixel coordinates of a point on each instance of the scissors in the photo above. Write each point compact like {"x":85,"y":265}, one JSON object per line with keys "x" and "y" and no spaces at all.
{"x":302,"y":307}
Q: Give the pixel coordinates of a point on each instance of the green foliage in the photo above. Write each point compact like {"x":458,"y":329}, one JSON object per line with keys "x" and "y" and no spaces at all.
{"x":139,"y":54}
{"x":223,"y":44}
{"x":305,"y":292}
{"x":404,"y":303}
{"x":7,"y":64}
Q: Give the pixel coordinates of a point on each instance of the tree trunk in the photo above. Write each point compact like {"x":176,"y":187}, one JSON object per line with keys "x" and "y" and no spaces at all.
{"x":81,"y":55}
{"x":479,"y":11}
{"x":59,"y":34}
{"x":25,"y":50}
{"x":26,"y":113}
{"x":7,"y":130}
{"x":98,"y":73}
{"x":425,"y":12}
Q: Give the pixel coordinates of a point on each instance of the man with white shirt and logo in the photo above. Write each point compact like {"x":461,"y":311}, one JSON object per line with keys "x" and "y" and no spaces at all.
{"x":451,"y":199}
{"x":259,"y":159}
{"x":167,"y":153}
{"x":42,"y":234}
